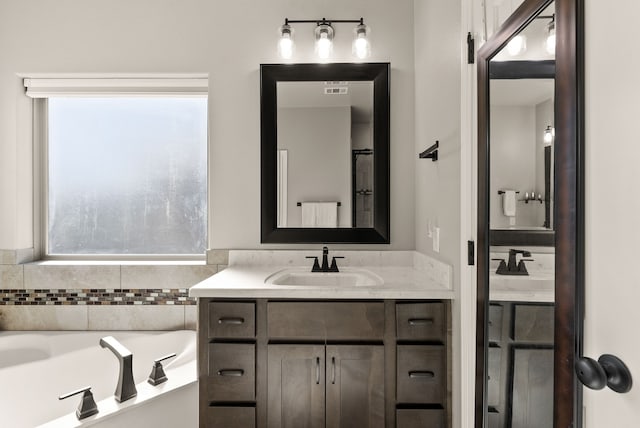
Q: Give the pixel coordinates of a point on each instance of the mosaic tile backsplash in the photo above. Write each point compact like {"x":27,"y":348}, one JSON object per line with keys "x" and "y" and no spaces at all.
{"x":149,"y":296}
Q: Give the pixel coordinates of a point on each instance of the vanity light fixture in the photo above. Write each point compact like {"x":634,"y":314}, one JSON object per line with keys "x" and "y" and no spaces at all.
{"x":517,"y":45}
{"x":550,"y":43}
{"x":549,"y":133}
{"x":324,"y":33}
{"x":285,"y":44}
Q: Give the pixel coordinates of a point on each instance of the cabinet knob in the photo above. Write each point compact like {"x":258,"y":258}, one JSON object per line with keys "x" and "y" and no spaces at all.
{"x":609,"y":370}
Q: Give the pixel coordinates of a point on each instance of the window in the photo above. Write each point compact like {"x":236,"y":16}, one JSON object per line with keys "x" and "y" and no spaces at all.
{"x":126,"y":174}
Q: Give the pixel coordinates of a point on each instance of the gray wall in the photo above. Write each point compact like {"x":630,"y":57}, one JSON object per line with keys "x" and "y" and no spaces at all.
{"x":227,"y":39}
{"x":513,"y":162}
{"x":318,"y":141}
{"x":438,"y":36}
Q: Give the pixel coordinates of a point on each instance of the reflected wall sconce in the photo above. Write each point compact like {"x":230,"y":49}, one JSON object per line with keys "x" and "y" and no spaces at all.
{"x":324,"y":34}
{"x":549,"y":135}
{"x":550,"y":43}
{"x":518,"y":44}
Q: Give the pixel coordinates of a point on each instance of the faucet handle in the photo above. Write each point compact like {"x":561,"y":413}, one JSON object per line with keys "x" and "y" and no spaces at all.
{"x":334,"y":265}
{"x":157,"y":375}
{"x":316,"y":265}
{"x":87,"y":406}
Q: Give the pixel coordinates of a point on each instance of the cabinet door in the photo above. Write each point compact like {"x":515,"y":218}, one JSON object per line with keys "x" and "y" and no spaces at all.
{"x":355,"y":386}
{"x":296,"y":386}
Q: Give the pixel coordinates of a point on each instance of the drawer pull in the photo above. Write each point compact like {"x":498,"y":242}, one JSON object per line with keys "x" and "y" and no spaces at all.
{"x":333,"y":371}
{"x":420,"y":321}
{"x":231,"y":320}
{"x":421,"y":374}
{"x":231,"y":372}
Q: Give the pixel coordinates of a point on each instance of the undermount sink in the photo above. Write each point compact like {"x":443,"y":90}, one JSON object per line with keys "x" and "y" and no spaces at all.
{"x":347,"y":277}
{"x":535,"y":281}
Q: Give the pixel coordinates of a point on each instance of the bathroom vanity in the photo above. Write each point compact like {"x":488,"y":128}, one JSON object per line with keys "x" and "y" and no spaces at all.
{"x":334,"y":355}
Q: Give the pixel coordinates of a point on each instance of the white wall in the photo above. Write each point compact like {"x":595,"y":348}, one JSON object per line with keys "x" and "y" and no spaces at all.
{"x":438,"y":60}
{"x":227,"y":39}
{"x":612,"y":152}
{"x":318,"y":141}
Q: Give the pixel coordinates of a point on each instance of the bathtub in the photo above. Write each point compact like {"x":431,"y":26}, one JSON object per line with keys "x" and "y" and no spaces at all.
{"x":37,"y":367}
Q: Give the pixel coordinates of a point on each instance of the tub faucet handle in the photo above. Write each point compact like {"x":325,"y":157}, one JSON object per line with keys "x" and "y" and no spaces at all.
{"x":87,"y":406}
{"x":157,"y":375}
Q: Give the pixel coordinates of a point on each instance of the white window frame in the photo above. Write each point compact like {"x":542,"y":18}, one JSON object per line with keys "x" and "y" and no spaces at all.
{"x":41,"y":87}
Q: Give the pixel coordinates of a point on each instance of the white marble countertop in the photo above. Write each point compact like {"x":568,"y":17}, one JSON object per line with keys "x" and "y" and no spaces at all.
{"x":402,"y":281}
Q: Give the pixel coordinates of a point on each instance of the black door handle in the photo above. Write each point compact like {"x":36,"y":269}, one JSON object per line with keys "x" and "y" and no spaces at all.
{"x":609,"y":370}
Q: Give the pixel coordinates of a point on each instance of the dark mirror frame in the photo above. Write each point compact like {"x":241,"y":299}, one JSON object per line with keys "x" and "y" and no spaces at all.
{"x":545,"y":69}
{"x":270,"y":75}
{"x":568,"y":198}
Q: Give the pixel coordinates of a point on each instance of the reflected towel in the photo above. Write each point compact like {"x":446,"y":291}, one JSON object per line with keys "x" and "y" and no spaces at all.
{"x":319,"y":214}
{"x":509,"y":203}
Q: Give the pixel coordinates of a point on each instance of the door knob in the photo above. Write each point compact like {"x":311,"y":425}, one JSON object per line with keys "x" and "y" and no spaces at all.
{"x":609,"y":370}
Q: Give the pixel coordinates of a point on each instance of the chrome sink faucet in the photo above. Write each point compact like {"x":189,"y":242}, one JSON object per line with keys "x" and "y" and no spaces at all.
{"x":126,"y":387}
{"x":325,"y":262}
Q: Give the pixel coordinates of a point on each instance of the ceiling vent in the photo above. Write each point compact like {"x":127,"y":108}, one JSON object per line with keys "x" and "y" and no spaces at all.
{"x":336,"y":90}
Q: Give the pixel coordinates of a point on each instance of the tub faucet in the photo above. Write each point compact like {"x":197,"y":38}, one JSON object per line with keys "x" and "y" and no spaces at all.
{"x":126,"y":387}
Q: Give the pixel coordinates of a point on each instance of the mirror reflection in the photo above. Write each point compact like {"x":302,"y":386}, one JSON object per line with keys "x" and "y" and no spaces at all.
{"x":325,"y":171}
{"x":520,"y":325}
{"x":522,"y":130}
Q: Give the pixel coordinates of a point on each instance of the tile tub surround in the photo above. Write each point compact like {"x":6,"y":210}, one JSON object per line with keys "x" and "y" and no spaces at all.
{"x":80,"y":295}
{"x":406,"y":274}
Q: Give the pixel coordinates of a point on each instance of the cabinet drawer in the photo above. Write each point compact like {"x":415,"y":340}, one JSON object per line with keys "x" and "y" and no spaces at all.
{"x":420,"y":418}
{"x":421,"y":374}
{"x":533,"y":323}
{"x":230,"y":417}
{"x":232,"y":319}
{"x":420,"y":321}
{"x":326,"y":320}
{"x":231,"y":372}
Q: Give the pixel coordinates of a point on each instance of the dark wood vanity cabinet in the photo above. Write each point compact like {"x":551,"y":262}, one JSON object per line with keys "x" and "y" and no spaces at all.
{"x":317,"y":364}
{"x":520,"y":364}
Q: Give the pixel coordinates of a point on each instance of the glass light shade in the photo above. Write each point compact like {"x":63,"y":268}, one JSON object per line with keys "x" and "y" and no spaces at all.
{"x":324,"y":41}
{"x":285,"y":44}
{"x":550,"y":44}
{"x":361,"y":47}
{"x":517,"y":45}
{"x":549,"y":133}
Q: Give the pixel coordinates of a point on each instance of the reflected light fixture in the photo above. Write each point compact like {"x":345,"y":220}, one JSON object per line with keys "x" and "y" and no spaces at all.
{"x":517,"y":45}
{"x":548,"y":136}
{"x":550,"y":43}
{"x":324,"y":34}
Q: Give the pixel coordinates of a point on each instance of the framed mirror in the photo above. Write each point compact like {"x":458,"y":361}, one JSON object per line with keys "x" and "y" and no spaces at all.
{"x":529,"y":326}
{"x":325,"y":153}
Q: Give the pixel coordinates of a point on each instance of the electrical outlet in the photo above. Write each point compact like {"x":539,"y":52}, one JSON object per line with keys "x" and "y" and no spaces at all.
{"x":436,"y":239}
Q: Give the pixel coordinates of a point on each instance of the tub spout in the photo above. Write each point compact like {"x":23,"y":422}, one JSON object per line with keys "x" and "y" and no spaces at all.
{"x":126,"y":387}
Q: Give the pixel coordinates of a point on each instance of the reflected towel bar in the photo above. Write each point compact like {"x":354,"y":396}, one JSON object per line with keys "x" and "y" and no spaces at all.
{"x":300,"y":204}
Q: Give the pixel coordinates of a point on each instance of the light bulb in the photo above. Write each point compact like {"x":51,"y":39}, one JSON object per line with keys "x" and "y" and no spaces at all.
{"x":548,"y":135}
{"x":517,"y":45}
{"x":324,"y":41}
{"x":361,"y":46}
{"x":285,"y":44}
{"x":551,"y":39}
